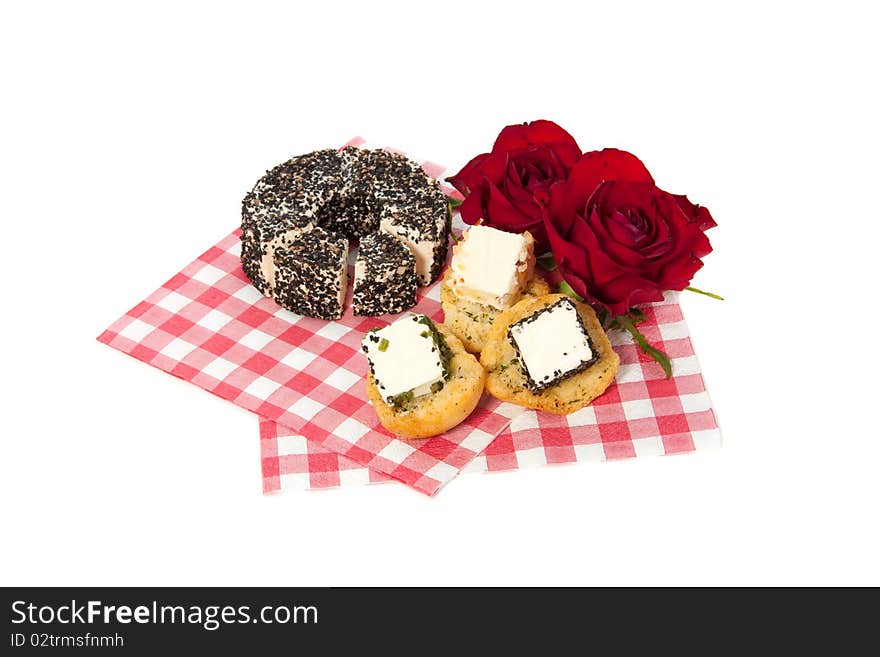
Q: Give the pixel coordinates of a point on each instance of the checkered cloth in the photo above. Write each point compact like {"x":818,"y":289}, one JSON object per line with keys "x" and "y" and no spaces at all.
{"x":642,"y":414}
{"x":210,"y":326}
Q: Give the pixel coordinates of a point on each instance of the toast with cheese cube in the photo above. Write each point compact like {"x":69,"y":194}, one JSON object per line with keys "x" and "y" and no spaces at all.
{"x":549,"y":353}
{"x":471,"y":320}
{"x":421,"y":380}
{"x":490,"y":271}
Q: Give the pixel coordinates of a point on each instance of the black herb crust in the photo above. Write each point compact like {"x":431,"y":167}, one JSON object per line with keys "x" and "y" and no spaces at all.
{"x":445,"y":352}
{"x":559,"y":375}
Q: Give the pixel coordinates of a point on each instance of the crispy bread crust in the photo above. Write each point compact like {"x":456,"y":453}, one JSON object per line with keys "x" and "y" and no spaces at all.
{"x":506,"y":381}
{"x":471,"y":321}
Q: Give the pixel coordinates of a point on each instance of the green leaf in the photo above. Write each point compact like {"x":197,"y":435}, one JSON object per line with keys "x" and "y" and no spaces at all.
{"x":708,"y":294}
{"x":547,"y":261}
{"x":449,"y":217}
{"x":636,"y":315}
{"x":626,"y":323}
{"x":567,"y":290}
{"x":602,"y":314}
{"x":451,"y":204}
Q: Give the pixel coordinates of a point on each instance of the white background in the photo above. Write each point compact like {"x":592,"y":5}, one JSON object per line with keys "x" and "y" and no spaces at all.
{"x":130,"y":135}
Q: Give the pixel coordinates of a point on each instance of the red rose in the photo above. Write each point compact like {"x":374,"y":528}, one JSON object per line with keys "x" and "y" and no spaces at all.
{"x":509,"y":188}
{"x":620,"y":240}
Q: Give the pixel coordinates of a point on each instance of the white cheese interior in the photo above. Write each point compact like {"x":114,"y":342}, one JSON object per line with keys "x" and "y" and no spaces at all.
{"x":360,"y":272}
{"x":343,"y":284}
{"x":487,"y":266}
{"x":552,"y":344}
{"x":409,"y":361}
{"x":423,"y":250}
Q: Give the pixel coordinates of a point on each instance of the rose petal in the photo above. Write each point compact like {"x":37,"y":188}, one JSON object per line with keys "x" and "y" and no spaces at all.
{"x":627,"y":290}
{"x":536,"y":133}
{"x":609,"y":164}
{"x":650,"y":293}
{"x":568,"y":256}
{"x":556,"y":212}
{"x":696,"y":214}
{"x":621,"y":227}
{"x":677,"y":275}
{"x":608,"y":216}
{"x":521,"y":199}
{"x":471,"y":209}
{"x":469,"y":176}
{"x":500,"y":213}
{"x":537,"y":168}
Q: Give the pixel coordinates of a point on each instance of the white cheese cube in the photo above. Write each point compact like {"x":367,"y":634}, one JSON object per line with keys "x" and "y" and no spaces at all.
{"x":403,"y":357}
{"x":491,"y":266}
{"x":552,"y":344}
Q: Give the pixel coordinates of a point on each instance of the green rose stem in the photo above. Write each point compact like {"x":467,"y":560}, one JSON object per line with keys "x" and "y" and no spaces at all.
{"x":453,"y":202}
{"x":708,"y":294}
{"x":636,"y":315}
{"x":451,"y":205}
{"x":568,"y":290}
{"x":624,"y":322}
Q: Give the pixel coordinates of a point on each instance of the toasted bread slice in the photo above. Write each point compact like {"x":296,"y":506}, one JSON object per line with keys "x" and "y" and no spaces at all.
{"x":436,"y":412}
{"x":506,"y":381}
{"x":470,"y":320}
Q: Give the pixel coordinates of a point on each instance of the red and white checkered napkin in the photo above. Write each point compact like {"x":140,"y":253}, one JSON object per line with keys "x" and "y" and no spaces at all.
{"x":210,"y":326}
{"x":642,"y":414}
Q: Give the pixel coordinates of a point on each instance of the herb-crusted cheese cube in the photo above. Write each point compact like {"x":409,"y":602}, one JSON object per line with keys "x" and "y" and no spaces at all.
{"x":552,"y":344}
{"x":492,"y":266}
{"x":405,"y":358}
{"x":311,"y":272}
{"x":384,"y":276}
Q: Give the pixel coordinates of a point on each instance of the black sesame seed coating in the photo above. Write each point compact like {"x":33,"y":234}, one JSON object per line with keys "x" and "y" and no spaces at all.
{"x":558,"y":375}
{"x":311,"y":274}
{"x":353,"y":193}
{"x":384,"y":276}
